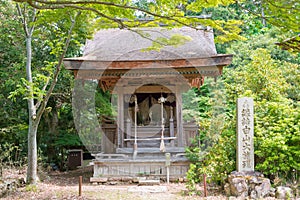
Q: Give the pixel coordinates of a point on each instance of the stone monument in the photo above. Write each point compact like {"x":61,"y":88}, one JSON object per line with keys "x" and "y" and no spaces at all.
{"x":245,"y":130}
{"x":245,"y":182}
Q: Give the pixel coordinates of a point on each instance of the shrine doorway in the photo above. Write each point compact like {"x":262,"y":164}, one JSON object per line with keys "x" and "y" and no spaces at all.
{"x":150,"y":118}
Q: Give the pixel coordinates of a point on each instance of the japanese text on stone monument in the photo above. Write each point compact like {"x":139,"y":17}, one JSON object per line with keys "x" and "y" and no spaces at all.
{"x":245,"y":127}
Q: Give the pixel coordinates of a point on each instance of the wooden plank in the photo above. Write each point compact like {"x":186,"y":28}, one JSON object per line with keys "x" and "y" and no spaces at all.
{"x":152,"y":150}
{"x":151,"y":139}
{"x":148,"y":131}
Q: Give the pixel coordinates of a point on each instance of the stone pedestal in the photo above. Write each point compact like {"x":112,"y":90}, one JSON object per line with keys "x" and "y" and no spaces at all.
{"x":247,"y":185}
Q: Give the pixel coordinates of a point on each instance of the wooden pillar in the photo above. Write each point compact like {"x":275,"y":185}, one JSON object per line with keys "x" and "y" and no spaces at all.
{"x":128,"y":129}
{"x":180,"y":136}
{"x":120,"y":118}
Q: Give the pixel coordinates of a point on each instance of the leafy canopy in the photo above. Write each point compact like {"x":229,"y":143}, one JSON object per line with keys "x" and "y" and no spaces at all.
{"x":124,"y":14}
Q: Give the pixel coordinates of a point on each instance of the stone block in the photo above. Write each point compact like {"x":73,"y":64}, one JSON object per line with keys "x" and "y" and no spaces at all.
{"x":239,"y":187}
{"x":227,"y":189}
{"x":98,"y":180}
{"x":135,"y":180}
{"x":247,"y":184}
{"x":180,"y":180}
{"x":272,"y":192}
{"x":127,"y":179}
{"x":284,"y":193}
{"x":114,"y":179}
{"x":149,"y":182}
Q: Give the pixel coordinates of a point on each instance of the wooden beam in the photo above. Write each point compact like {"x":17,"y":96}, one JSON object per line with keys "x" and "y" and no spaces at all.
{"x":84,"y":63}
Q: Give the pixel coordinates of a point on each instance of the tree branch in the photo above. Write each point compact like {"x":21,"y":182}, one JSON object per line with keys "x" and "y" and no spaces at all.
{"x":57,"y":70}
{"x":37,"y":105}
{"x":73,"y":4}
{"x":273,"y":3}
{"x":34,"y":18}
{"x":25,"y":27}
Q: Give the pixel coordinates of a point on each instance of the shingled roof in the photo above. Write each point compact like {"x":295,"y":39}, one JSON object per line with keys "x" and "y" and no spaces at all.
{"x":125,"y":45}
{"x":116,"y":45}
{"x":112,"y":53}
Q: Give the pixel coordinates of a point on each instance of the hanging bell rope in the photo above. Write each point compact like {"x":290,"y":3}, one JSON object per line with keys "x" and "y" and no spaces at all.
{"x":162,"y":100}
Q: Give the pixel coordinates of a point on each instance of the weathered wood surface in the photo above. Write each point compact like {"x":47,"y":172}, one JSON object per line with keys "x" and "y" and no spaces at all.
{"x":217,"y":60}
{"x":152,"y":150}
{"x":151,"y":139}
{"x":147,"y":131}
{"x":136,"y":168}
{"x":109,"y":138}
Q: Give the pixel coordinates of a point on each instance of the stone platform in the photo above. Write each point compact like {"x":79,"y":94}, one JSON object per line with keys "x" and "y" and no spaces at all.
{"x":123,"y":166}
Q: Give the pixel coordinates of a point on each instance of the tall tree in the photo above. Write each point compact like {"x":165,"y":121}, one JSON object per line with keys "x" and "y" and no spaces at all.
{"x":118,"y":13}
{"x":40,"y":81}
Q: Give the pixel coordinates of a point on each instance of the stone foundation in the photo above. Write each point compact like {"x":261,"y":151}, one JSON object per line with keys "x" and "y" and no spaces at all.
{"x":247,"y":185}
{"x":127,"y":170}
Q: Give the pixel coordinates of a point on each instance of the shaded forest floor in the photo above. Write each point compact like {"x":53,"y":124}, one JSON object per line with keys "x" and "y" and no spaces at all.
{"x":64,"y":185}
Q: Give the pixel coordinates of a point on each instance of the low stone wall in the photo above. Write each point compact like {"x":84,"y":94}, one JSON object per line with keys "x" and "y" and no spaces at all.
{"x":253,"y":185}
{"x":247,"y":184}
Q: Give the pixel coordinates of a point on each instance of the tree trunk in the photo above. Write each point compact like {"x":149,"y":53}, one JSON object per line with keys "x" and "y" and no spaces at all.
{"x":36,"y":111}
{"x":33,"y":123}
{"x":32,"y":153}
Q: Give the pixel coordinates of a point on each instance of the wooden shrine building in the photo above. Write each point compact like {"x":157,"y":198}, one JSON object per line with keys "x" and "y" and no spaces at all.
{"x":149,"y":87}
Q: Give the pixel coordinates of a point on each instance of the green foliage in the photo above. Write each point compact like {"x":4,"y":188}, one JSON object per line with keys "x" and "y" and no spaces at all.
{"x":193,"y":178}
{"x":270,"y":76}
{"x":103,"y":105}
{"x":13,"y":114}
{"x":285,"y":10}
{"x":48,"y":40}
{"x":277,"y":138}
{"x":190,"y":107}
{"x":31,"y":188}
{"x":215,"y":156}
{"x":175,"y":40}
{"x":10,"y":155}
{"x":174,"y":13}
{"x":67,"y":140}
{"x":216,"y":161}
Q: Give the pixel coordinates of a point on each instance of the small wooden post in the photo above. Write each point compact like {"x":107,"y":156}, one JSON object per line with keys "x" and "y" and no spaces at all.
{"x":80,"y":186}
{"x":204,"y":185}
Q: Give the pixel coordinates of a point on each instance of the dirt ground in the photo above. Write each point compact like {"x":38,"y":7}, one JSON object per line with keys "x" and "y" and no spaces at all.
{"x":64,"y":185}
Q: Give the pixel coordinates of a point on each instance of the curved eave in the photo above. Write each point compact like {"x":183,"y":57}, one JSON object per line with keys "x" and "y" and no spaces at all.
{"x":83,"y":63}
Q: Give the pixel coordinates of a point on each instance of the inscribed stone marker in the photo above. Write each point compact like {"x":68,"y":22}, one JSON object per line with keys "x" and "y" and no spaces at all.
{"x":245,"y":130}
